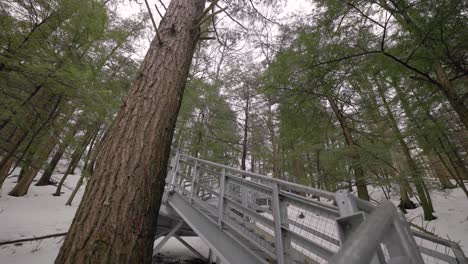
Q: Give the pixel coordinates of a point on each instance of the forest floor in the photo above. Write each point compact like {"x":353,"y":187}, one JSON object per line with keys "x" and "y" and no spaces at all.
{"x":39,"y":213}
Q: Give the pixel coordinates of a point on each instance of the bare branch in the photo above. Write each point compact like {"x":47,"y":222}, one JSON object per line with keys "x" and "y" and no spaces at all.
{"x":237,"y":22}
{"x":208,"y":9}
{"x":164,"y":6}
{"x":152,"y":20}
{"x":208,"y":17}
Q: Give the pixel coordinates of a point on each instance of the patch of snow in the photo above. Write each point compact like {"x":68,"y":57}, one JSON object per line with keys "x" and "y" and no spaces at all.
{"x":451,"y":208}
{"x":39,"y":213}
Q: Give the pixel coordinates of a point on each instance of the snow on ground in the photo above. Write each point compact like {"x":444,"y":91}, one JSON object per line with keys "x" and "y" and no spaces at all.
{"x":451,"y":208}
{"x":39,"y":213}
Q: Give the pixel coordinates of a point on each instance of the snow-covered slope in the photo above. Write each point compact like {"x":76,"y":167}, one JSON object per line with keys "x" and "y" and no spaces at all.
{"x":451,"y":210}
{"x":39,"y":213}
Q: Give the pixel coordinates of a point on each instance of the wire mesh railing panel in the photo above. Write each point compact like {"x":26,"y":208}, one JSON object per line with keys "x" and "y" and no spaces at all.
{"x":435,"y":253}
{"x":261,"y":210}
{"x":314,"y":224}
{"x":248,"y":210}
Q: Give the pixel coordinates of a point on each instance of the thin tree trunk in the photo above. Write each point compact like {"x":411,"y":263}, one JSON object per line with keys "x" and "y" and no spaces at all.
{"x":116,"y":220}
{"x":271,"y":128}
{"x":413,"y":168}
{"x":22,"y":187}
{"x":246,"y":133}
{"x":85,"y":172}
{"x":5,"y":164}
{"x":454,"y":99}
{"x":359,"y":175}
{"x":4,"y":171}
{"x":46,"y":176}
{"x":440,"y":172}
{"x":75,"y":158}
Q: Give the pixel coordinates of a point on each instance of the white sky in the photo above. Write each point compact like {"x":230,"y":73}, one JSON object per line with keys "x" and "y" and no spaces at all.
{"x":131,"y":7}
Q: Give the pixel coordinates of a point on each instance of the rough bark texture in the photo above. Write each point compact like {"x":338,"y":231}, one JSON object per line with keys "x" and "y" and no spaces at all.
{"x":116,"y":220}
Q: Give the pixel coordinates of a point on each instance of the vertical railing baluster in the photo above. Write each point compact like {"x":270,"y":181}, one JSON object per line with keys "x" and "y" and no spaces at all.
{"x":278,"y":219}
{"x":175,"y":169}
{"x":222,"y":185}
{"x":171,"y":176}
{"x":194,"y":178}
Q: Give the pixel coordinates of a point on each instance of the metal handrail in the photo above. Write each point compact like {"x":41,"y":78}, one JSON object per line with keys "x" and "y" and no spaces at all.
{"x":229,"y":195}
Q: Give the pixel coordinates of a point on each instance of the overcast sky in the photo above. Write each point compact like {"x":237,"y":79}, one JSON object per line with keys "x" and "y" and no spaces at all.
{"x":131,"y":7}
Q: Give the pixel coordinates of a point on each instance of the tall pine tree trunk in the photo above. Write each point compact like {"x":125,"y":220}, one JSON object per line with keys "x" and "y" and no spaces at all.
{"x":359,"y":175}
{"x":424,"y":196}
{"x":116,"y":220}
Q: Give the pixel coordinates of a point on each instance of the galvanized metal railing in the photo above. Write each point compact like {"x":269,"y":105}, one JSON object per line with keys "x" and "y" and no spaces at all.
{"x":284,"y":222}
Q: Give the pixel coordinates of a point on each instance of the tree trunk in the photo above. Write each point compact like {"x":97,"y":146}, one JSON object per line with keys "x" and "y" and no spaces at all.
{"x":22,"y":187}
{"x":86,"y":171}
{"x":75,"y":158}
{"x":440,"y":172}
{"x":359,"y":175}
{"x":116,"y":220}
{"x":413,"y":168}
{"x":5,"y":163}
{"x":454,"y":99}
{"x":271,"y":129}
{"x":246,"y":133}
{"x":4,"y":170}
{"x":45,"y":178}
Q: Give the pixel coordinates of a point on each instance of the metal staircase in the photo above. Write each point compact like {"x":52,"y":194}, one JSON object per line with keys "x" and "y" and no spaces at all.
{"x":249,"y":218}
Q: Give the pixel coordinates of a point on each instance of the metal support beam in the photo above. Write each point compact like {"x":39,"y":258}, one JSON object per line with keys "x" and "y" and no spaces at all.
{"x":172,"y":175}
{"x":167,"y":237}
{"x":225,"y":247}
{"x":350,"y":219}
{"x":187,"y":245}
{"x":193,"y":189}
{"x":222,"y":185}
{"x":279,"y":243}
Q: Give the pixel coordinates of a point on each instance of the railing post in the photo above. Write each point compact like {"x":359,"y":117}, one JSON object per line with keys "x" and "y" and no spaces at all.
{"x":280,"y":217}
{"x":222,"y":185}
{"x":172,"y":175}
{"x":194,"y":179}
{"x":400,"y":242}
{"x":175,"y":169}
{"x":350,"y":219}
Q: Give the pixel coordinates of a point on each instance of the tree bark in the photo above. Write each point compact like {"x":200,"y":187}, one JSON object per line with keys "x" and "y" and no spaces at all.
{"x":86,"y":171}
{"x":454,"y":99}
{"x":45,"y":177}
{"x":75,"y":158}
{"x":424,"y":197}
{"x":22,"y":187}
{"x":359,"y":175}
{"x":4,"y":170}
{"x":116,"y":220}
